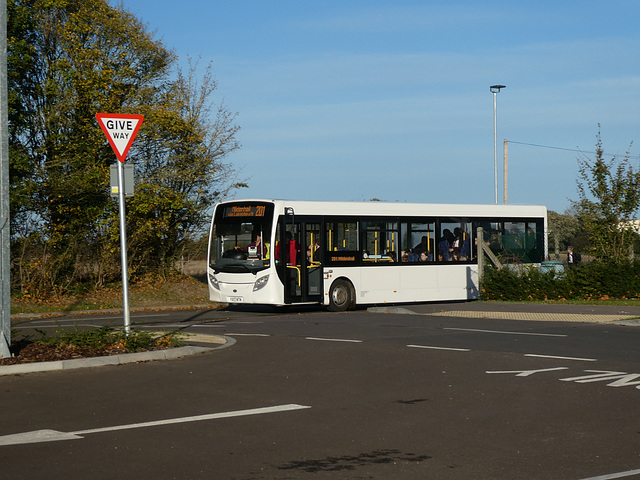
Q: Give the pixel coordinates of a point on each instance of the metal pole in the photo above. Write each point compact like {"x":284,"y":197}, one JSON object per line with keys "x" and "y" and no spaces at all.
{"x":5,"y":224}
{"x":480,"y":249}
{"x":123,"y":249}
{"x":495,"y":89}
{"x":495,"y":144}
{"x":505,"y":171}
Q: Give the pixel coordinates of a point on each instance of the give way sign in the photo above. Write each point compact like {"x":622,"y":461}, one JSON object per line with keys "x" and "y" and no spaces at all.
{"x":120,"y":130}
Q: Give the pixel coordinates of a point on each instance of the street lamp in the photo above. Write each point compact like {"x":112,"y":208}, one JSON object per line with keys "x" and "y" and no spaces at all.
{"x":495,"y":89}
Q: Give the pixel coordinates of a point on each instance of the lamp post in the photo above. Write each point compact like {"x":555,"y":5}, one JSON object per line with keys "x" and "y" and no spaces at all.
{"x":495,"y":89}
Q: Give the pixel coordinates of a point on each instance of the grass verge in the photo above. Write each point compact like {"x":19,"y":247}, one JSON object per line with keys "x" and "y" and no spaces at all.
{"x":151,"y":291}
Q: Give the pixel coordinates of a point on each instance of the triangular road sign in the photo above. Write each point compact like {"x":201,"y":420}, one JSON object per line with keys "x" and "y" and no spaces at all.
{"x":120,"y":130}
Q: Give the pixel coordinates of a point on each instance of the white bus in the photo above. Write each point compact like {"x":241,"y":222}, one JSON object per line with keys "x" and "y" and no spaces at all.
{"x":339,"y":254}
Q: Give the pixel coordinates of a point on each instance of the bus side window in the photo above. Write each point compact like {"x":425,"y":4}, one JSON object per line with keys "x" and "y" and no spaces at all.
{"x":454,"y":240}
{"x":342,"y":236}
{"x":417,"y":241}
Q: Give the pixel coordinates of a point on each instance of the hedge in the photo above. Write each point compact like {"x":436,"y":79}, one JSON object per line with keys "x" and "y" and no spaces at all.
{"x":590,"y":281}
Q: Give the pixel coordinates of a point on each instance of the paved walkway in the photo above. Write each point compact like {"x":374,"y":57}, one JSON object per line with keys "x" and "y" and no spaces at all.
{"x":524,"y":311}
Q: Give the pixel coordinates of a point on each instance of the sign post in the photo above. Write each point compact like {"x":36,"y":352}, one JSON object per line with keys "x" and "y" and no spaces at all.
{"x":5,"y":241}
{"x":121,"y":129}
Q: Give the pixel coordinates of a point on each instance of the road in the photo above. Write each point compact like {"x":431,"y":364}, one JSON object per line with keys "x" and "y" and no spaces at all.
{"x":359,"y":395}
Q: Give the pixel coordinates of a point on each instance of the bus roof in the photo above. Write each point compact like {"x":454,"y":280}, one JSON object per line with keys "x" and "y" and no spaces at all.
{"x":302,"y":207}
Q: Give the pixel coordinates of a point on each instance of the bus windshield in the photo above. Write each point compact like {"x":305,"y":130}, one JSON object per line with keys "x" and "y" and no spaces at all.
{"x":241,"y":236}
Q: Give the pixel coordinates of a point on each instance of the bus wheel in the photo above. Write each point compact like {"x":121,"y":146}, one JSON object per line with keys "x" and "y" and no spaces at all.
{"x":340,"y":296}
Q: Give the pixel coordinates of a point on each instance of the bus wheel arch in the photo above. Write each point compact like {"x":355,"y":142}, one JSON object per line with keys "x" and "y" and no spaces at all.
{"x":342,"y":295}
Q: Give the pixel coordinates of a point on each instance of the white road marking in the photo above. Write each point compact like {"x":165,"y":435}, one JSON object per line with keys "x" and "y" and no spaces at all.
{"x":39,"y":436}
{"x":60,"y":325}
{"x":505,"y":332}
{"x":440,"y":348}
{"x":526,"y":373}
{"x":248,"y":334}
{"x":561,"y":358}
{"x":333,"y":340}
{"x":622,"y":379}
{"x":610,"y":476}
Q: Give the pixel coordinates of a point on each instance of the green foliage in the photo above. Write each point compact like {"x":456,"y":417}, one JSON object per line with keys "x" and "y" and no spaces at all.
{"x":609,"y":200}
{"x":591,"y":281}
{"x":564,"y":230}
{"x":67,"y":61}
{"x":106,"y":337}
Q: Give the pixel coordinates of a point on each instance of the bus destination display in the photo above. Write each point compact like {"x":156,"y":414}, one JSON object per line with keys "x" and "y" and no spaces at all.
{"x":244,"y":211}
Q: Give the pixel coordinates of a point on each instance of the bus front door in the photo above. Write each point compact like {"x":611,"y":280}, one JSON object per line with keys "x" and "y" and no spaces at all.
{"x":301,"y":270}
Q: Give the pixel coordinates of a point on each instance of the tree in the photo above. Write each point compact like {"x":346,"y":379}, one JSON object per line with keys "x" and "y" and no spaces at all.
{"x":609,"y":194}
{"x":565,"y":229}
{"x":68,"y":60}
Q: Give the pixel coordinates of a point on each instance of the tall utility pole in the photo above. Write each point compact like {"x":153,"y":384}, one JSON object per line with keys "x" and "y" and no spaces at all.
{"x":495,"y":89}
{"x":506,"y":170}
{"x":5,"y":224}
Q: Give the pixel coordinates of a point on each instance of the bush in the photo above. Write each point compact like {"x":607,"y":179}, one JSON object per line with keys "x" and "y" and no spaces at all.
{"x":107,"y":337}
{"x":592,"y":281}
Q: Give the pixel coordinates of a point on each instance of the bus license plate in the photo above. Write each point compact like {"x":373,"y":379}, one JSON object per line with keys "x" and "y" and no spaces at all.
{"x":236,"y":299}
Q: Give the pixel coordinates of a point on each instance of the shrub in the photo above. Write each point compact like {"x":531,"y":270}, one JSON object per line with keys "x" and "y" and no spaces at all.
{"x":592,"y":281}
{"x":106,"y":337}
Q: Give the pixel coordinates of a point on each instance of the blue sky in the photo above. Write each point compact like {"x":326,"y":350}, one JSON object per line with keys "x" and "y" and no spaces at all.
{"x":351,"y":100}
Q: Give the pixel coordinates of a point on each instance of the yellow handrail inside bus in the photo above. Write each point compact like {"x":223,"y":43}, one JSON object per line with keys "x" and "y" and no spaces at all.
{"x":298,"y":270}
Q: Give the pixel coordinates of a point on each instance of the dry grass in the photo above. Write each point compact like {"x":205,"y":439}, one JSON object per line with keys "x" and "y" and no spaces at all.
{"x":151,"y":291}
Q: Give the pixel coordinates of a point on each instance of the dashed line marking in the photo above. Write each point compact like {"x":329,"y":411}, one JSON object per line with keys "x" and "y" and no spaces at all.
{"x":431,"y":347}
{"x":333,"y":340}
{"x":505,"y":332}
{"x":557,"y":357}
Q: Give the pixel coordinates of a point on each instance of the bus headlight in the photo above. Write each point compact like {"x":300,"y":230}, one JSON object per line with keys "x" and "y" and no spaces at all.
{"x":214,"y":281}
{"x":261,"y":282}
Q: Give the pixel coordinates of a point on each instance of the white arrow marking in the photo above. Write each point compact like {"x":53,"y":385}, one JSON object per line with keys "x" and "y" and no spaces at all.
{"x":39,"y":436}
{"x":629,"y":473}
{"x":623,"y":379}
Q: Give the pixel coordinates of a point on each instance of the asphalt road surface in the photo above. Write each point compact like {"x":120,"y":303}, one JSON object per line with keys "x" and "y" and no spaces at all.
{"x":361,"y":395}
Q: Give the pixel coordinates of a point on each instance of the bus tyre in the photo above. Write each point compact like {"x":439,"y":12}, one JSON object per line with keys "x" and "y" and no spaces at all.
{"x":340,"y":296}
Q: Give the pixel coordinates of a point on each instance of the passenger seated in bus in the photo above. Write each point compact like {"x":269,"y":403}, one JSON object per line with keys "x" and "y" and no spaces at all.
{"x":460,"y":245}
{"x":422,"y":246}
{"x":465,"y":251}
{"x":391,"y":256}
{"x":445,"y":249}
{"x":424,"y":258}
{"x":457,"y":239}
{"x":405,"y":256}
